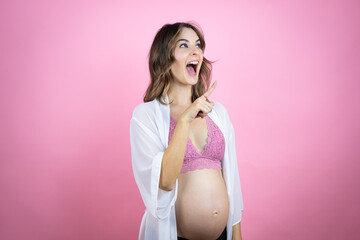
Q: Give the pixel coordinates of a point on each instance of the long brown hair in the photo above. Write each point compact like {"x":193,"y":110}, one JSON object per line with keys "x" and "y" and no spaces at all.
{"x":161,"y":58}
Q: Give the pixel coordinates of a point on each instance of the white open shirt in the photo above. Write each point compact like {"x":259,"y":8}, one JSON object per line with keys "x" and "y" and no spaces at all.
{"x":149,"y":132}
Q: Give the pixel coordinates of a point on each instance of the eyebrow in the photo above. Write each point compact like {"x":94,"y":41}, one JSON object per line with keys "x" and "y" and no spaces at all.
{"x":182,"y":39}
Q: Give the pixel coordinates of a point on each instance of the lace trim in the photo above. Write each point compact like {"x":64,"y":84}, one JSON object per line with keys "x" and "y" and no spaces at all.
{"x":200,"y":163}
{"x":212,"y":153}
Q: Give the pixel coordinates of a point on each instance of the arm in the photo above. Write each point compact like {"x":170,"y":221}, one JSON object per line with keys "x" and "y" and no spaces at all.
{"x":236,"y":188}
{"x":174,"y":156}
{"x":236,"y":232}
{"x":146,"y":154}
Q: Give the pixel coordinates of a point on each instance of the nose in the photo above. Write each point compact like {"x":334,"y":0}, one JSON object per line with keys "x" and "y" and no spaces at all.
{"x":196,"y":51}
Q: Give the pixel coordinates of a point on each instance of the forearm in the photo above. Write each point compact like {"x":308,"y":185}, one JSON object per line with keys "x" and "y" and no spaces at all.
{"x":236,"y":232}
{"x":174,"y":156}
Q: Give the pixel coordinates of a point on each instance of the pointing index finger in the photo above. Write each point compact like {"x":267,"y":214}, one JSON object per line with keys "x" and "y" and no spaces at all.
{"x":210,"y":90}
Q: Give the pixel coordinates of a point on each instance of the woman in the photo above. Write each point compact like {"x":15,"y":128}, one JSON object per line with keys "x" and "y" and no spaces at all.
{"x":183,"y":145}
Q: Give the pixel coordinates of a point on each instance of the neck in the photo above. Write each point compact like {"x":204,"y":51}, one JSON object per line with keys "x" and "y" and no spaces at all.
{"x":181,"y":94}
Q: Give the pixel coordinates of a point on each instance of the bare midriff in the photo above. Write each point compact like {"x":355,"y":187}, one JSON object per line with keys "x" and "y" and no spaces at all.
{"x":202,"y":205}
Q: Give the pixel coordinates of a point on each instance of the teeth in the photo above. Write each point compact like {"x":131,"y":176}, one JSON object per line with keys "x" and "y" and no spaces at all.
{"x":194,"y":62}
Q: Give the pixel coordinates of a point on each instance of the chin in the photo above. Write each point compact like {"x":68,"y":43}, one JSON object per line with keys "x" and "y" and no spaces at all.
{"x":192,"y":80}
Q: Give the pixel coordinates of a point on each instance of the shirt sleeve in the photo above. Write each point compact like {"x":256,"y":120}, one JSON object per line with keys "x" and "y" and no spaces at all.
{"x":238,"y":200}
{"x":146,"y":154}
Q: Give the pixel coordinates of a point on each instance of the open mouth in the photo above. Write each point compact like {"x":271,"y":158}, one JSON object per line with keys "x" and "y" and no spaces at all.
{"x":191,"y":68}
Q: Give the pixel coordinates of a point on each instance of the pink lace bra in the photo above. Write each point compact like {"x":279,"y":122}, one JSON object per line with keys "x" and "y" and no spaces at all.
{"x":210,"y":157}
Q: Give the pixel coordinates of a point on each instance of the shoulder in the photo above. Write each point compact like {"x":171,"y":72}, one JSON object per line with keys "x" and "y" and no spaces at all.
{"x":224,"y":118}
{"x":221,"y":111}
{"x":145,"y":116}
{"x":144,"y":110}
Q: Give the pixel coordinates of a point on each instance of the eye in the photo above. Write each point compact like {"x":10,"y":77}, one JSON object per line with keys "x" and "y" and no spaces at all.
{"x":185,"y":45}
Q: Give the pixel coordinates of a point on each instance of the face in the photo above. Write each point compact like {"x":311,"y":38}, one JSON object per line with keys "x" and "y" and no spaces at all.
{"x":188,"y":58}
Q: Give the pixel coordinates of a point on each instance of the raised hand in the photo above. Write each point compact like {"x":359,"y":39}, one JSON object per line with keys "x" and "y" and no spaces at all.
{"x":200,"y":107}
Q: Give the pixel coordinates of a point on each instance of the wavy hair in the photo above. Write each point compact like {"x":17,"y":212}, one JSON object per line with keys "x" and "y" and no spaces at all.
{"x":161,"y":58}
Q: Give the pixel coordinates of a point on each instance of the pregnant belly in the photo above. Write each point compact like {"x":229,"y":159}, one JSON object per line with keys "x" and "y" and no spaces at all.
{"x":202,"y":205}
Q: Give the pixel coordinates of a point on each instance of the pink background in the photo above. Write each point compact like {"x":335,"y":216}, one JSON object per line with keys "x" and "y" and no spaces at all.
{"x":72,"y":71}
